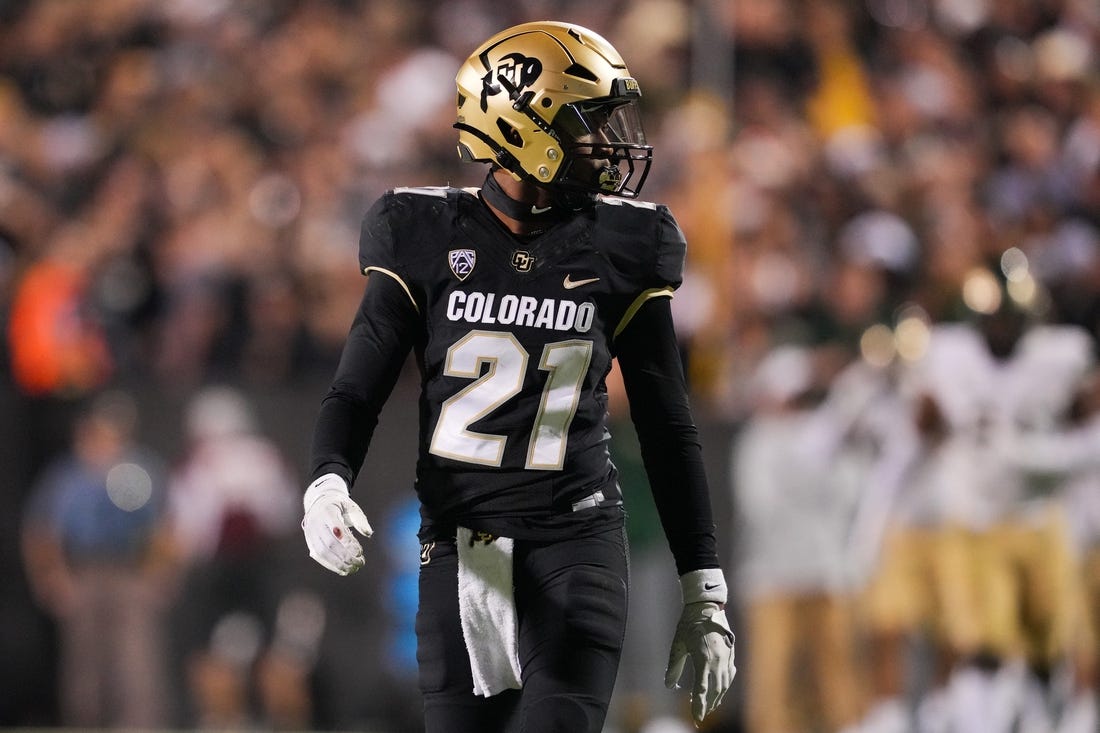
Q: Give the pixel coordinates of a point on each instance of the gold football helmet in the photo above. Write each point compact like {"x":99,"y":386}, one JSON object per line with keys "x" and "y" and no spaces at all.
{"x":554,"y":103}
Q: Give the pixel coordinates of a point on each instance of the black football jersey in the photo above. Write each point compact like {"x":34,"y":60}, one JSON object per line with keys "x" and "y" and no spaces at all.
{"x":518,"y":337}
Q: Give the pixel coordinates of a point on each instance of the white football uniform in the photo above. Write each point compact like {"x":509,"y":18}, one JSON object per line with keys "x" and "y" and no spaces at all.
{"x":985,"y":402}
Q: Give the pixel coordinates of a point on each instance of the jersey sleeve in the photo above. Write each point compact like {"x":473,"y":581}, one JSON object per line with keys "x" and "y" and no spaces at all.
{"x":667,"y":435}
{"x":643,"y":244}
{"x":378,"y":243}
{"x":646,"y":249}
{"x":671,"y":250}
{"x":378,"y":343}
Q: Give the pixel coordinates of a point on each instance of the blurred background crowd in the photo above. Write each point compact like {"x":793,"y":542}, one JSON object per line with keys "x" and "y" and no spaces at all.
{"x":889,"y":322}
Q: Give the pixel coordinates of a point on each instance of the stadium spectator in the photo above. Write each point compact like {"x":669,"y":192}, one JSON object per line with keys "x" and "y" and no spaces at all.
{"x":232,"y":498}
{"x":100,"y":560}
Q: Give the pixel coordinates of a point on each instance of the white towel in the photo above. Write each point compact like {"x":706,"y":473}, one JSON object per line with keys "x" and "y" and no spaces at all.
{"x":487,"y":607}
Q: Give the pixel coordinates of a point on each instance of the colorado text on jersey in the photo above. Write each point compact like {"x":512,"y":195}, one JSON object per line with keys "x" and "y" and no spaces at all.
{"x":520,"y":310}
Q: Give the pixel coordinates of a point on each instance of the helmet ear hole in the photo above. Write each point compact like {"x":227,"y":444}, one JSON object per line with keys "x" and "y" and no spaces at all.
{"x":511,"y":134}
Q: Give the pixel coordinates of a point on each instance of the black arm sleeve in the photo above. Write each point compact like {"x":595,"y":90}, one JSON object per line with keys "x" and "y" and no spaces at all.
{"x":378,"y":343}
{"x":660,"y":410}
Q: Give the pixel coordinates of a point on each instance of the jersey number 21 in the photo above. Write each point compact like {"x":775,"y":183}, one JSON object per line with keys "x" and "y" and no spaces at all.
{"x":565,"y":361}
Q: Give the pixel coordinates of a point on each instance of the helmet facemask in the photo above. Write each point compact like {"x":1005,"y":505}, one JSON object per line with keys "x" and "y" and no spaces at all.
{"x":604,"y":146}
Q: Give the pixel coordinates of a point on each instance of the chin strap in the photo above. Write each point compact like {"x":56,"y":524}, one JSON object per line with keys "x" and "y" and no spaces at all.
{"x":494,"y":194}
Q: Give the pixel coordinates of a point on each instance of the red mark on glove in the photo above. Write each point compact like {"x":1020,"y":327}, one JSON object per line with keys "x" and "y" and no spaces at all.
{"x":339,"y":533}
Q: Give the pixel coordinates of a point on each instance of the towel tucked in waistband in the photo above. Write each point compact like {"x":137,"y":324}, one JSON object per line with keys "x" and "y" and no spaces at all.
{"x":486,"y":603}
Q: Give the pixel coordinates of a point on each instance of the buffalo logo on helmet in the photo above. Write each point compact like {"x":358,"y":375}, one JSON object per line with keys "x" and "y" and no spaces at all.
{"x":516,"y":70}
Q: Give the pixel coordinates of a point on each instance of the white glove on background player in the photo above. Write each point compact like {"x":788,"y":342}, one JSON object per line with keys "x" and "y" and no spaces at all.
{"x":703,"y":634}
{"x":330,"y":515}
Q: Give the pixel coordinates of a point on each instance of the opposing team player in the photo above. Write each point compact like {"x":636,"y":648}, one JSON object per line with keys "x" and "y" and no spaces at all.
{"x":515,"y":299}
{"x":1008,"y":588}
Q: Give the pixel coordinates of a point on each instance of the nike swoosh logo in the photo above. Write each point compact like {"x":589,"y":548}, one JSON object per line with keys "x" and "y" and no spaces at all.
{"x":711,"y":586}
{"x":568,"y":283}
{"x":540,"y":209}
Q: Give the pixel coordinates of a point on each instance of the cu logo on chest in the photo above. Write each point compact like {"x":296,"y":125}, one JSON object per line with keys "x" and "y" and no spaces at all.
{"x":522,"y":260}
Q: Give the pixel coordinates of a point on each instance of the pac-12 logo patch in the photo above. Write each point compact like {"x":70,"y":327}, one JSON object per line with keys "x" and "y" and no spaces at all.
{"x":462,"y":262}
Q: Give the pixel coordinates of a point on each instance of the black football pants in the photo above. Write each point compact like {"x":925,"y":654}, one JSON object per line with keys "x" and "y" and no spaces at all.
{"x":571,"y":599}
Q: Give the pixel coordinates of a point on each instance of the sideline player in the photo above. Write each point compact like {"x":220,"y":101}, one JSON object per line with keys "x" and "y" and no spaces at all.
{"x":515,"y":299}
{"x":797,"y":466}
{"x":987,"y":382}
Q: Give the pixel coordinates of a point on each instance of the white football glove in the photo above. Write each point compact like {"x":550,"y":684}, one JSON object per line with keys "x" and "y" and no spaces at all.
{"x":330,"y":515}
{"x":703,"y":633}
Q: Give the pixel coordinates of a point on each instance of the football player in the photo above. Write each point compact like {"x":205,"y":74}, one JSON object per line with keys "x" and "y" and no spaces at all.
{"x":1009,"y":588}
{"x":1066,"y":461}
{"x":796,"y":468}
{"x":515,"y":299}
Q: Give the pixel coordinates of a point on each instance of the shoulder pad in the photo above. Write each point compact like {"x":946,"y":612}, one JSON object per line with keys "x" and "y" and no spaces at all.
{"x":404,"y":218}
{"x":642,"y":240}
{"x":956,"y":352}
{"x":1059,"y":342}
{"x":1062,"y":352}
{"x":440,"y":192}
{"x":616,"y":201}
